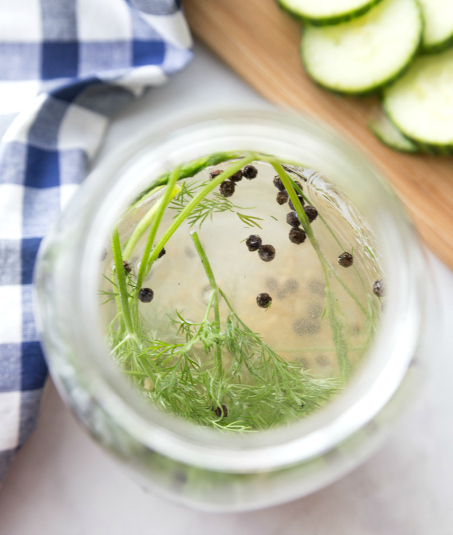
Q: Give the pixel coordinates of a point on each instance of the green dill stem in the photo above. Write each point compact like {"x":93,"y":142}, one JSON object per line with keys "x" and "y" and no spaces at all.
{"x":121,"y":278}
{"x":145,"y":222}
{"x":234,"y":168}
{"x":234,"y":312}
{"x":340,"y":280}
{"x":162,"y":204}
{"x":119,"y":316}
{"x":339,"y":340}
{"x":215,"y":289}
{"x":136,"y":374}
{"x":351,"y":293}
{"x":208,"y":309}
{"x":120,"y":344}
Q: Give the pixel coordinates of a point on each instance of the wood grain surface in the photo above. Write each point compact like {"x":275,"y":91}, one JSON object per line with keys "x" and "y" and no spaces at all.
{"x":261,"y":43}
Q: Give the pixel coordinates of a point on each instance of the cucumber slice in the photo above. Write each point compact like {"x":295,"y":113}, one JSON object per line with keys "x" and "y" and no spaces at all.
{"x":421,"y":102}
{"x":438,"y":30}
{"x":363,"y":54}
{"x":323,"y":12}
{"x":388,"y":134}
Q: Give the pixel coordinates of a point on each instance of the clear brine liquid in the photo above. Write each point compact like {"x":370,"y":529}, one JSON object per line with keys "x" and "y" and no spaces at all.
{"x":297,"y":325}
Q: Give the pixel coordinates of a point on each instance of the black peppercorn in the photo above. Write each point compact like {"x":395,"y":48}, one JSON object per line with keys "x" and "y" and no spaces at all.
{"x":263,"y":300}
{"x":299,"y":185}
{"x":236,"y":177}
{"x":162,"y":252}
{"x":278,"y":183}
{"x":250,"y":171}
{"x":227,"y":188}
{"x":253,"y":242}
{"x":266,"y":253}
{"x":145,"y":295}
{"x":218,"y":411}
{"x":311,"y":212}
{"x":378,"y":288}
{"x":345,"y":259}
{"x":297,"y":236}
{"x":301,"y":199}
{"x":127,"y":266}
{"x":282,"y":197}
{"x":214,"y":174}
{"x":293,"y":219}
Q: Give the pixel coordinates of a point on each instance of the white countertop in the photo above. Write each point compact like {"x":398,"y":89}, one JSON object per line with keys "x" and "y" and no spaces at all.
{"x":61,"y":483}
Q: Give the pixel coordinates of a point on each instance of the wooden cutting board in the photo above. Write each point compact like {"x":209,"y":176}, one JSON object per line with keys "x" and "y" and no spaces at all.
{"x":261,"y":43}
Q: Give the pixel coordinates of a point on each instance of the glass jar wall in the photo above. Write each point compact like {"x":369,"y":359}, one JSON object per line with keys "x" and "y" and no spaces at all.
{"x":204,"y":467}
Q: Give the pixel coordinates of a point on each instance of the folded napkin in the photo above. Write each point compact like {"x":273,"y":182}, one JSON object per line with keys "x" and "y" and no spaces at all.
{"x":65,"y":67}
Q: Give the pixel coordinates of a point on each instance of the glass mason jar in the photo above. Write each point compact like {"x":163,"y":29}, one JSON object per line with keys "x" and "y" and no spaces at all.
{"x":200,"y":466}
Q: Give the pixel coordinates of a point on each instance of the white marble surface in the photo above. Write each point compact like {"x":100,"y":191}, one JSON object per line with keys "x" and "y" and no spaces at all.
{"x":61,"y":483}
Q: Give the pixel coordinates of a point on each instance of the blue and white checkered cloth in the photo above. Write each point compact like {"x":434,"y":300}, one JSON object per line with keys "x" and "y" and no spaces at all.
{"x":65,"y":67}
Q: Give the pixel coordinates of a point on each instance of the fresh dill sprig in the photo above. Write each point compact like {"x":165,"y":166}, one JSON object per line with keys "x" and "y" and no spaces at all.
{"x":206,"y":208}
{"x":259,"y":388}
{"x":111,"y":295}
{"x":249,"y":220}
{"x":130,"y":282}
{"x":205,"y":366}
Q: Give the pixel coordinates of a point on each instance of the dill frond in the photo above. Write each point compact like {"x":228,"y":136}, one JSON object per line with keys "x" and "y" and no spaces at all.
{"x":207,"y":207}
{"x":217,"y":372}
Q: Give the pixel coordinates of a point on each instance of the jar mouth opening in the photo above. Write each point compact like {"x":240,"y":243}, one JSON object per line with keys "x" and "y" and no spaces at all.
{"x":114,"y":184}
